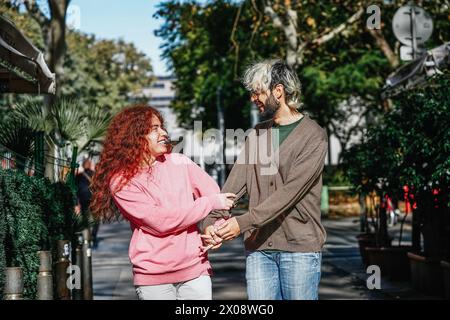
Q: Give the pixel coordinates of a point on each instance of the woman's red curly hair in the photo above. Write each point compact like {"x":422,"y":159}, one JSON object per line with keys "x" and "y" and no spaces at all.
{"x":125,"y":150}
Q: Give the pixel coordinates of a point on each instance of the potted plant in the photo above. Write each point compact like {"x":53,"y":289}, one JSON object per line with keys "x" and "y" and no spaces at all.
{"x":367,"y":168}
{"x":392,"y":260}
{"x":410,"y":147}
{"x":422,"y":120}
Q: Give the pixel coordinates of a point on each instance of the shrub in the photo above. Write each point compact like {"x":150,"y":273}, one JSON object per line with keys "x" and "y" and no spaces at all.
{"x":35,"y":213}
{"x":410,"y":146}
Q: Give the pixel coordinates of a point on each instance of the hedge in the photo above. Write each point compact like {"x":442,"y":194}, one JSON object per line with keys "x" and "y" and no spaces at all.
{"x":34,"y":213}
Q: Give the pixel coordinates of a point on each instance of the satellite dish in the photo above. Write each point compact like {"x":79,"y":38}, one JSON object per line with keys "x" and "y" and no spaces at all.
{"x":412,"y":19}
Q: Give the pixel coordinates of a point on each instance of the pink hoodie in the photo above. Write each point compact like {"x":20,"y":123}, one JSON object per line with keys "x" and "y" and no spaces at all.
{"x":160,"y":205}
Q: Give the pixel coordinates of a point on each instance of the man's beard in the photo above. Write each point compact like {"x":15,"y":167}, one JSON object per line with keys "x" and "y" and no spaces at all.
{"x":270,"y":107}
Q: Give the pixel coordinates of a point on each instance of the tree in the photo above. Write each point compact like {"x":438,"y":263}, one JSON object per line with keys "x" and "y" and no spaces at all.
{"x":104,"y":73}
{"x":207,"y":50}
{"x":410,"y":147}
{"x":338,"y":59}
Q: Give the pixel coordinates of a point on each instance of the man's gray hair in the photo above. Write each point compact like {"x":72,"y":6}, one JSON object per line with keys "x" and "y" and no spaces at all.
{"x":265,"y":75}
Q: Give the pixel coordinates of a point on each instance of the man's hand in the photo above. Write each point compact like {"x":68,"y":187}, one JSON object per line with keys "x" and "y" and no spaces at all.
{"x":228,"y":230}
{"x":210,"y":239}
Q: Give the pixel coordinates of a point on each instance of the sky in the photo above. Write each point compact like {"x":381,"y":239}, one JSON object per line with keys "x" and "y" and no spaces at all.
{"x":130,"y":20}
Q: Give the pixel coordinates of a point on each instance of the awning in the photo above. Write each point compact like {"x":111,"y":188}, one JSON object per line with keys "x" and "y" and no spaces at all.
{"x":22,"y":65}
{"x":418,"y":71}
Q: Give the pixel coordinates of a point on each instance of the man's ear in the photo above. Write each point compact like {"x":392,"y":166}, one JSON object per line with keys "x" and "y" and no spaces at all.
{"x":279,"y":90}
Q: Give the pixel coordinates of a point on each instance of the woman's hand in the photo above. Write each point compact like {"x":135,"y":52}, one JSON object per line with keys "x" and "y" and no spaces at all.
{"x":210,"y":239}
{"x":226,"y":201}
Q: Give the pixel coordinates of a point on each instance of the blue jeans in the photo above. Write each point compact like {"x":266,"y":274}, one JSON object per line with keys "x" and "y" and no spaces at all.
{"x":281,"y":275}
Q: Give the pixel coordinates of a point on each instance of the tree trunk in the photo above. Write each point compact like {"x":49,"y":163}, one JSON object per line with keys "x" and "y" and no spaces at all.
{"x":56,"y":49}
{"x":56,"y":42}
{"x":383,"y":236}
{"x":293,"y":53}
{"x":289,"y":26}
{"x":416,"y":230}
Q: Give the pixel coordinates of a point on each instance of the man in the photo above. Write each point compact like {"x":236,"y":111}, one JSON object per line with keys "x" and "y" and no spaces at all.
{"x":282,"y":229}
{"x":83,"y":181}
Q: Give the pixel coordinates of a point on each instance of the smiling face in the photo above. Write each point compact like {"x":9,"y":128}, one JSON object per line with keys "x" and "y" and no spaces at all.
{"x":158,"y":138}
{"x":265,"y":102}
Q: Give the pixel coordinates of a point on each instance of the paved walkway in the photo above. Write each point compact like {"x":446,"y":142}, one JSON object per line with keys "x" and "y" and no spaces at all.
{"x":343,"y":276}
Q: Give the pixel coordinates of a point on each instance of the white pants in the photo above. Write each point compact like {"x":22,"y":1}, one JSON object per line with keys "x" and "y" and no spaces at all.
{"x":196,"y":289}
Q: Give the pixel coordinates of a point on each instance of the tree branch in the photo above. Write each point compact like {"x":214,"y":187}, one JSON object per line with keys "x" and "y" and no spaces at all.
{"x":330,"y":35}
{"x":384,"y":46}
{"x":36,"y":13}
{"x":233,"y":40}
{"x":258,"y":23}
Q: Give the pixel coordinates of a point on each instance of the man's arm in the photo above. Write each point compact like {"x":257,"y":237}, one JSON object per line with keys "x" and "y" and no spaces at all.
{"x":236,"y":183}
{"x":305,"y":170}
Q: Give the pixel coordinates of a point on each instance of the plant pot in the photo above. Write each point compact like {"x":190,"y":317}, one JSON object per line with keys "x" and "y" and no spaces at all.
{"x":393,"y":262}
{"x":426,"y":275}
{"x":446,"y":274}
{"x":365,"y":240}
{"x":13,"y":289}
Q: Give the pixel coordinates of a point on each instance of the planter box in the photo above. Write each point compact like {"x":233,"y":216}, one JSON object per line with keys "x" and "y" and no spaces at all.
{"x":426,"y":275}
{"x":393,"y":262}
{"x":446,"y":273}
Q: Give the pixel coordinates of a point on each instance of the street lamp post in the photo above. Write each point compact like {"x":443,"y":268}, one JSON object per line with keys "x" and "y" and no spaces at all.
{"x":221,"y":123}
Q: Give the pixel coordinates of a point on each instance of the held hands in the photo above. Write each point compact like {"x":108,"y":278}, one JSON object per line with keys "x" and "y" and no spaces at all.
{"x":213,"y":237}
{"x":210,"y":239}
{"x":214,"y":234}
{"x":229,"y":229}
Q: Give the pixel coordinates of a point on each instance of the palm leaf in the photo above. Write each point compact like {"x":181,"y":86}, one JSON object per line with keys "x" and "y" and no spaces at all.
{"x":95,"y":125}
{"x":33,"y":112}
{"x":18,"y":137}
{"x":69,"y":120}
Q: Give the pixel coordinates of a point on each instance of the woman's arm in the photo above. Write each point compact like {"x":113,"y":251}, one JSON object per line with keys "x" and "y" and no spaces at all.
{"x":160,"y":220}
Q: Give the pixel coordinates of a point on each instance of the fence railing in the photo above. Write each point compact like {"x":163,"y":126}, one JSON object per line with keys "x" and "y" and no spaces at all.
{"x":65,"y":169}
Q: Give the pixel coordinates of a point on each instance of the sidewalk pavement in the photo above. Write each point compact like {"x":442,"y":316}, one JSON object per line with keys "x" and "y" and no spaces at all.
{"x":343,"y":275}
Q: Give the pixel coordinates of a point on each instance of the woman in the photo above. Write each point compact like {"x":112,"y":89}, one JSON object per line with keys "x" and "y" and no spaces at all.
{"x":163,"y":195}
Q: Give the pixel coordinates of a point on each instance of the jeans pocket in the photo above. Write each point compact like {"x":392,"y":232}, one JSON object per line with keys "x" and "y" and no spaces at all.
{"x":316,"y":260}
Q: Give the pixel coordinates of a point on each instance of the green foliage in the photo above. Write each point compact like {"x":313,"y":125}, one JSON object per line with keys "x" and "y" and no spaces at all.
{"x":209,"y":44}
{"x":16,"y":135}
{"x":334,"y":176}
{"x":35,"y":213}
{"x":205,"y":54}
{"x":206,"y":51}
{"x":66,"y":123}
{"x":2,"y":241}
{"x":26,"y":231}
{"x":103,"y":74}
{"x":409,"y":146}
